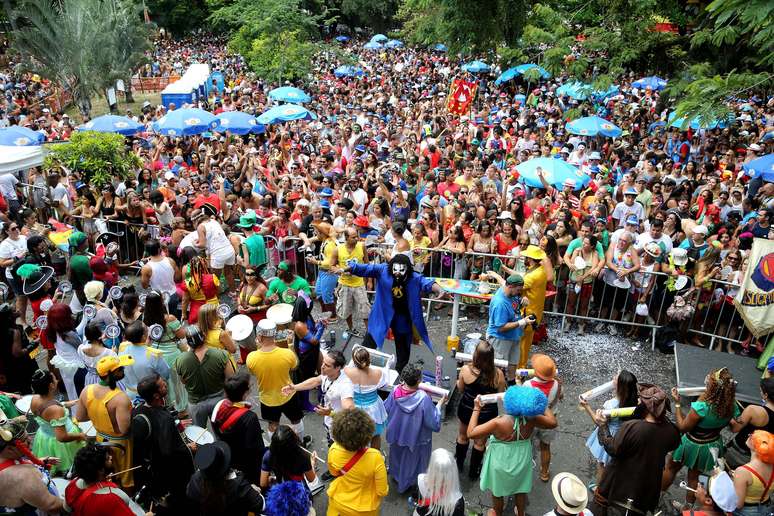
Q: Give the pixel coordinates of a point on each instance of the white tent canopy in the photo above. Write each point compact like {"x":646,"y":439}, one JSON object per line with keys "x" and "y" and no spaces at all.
{"x":13,"y":159}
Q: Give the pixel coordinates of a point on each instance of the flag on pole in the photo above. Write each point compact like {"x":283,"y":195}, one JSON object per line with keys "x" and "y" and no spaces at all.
{"x":755,"y":300}
{"x":461,"y":95}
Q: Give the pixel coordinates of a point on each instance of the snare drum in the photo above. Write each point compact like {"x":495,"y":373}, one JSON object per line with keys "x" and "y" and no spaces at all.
{"x":87,"y":427}
{"x":60,"y":484}
{"x":198,"y":435}
{"x":23,"y":404}
{"x":281,"y":314}
{"x":284,"y":339}
{"x":242,"y":331}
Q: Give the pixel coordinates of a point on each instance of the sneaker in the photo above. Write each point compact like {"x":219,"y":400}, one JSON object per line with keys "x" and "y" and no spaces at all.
{"x":613,"y":330}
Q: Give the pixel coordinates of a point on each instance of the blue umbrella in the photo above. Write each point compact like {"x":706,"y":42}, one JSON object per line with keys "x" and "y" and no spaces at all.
{"x":555,"y":171}
{"x":394,"y":43}
{"x":520,"y":98}
{"x":655,"y":125}
{"x":530,"y":66}
{"x":112,"y":124}
{"x":238,"y":122}
{"x":576,"y":90}
{"x":761,"y":167}
{"x":506,"y":76}
{"x":440,"y":47}
{"x":372,"y":45}
{"x":289,"y":94}
{"x":17,"y":136}
{"x":593,"y":126}
{"x":696,"y":123}
{"x":342,"y":39}
{"x":285,"y":113}
{"x":476,"y":67}
{"x":602,"y":95}
{"x":185,"y":122}
{"x":655,"y":83}
{"x":379,"y":38}
{"x":348,"y":71}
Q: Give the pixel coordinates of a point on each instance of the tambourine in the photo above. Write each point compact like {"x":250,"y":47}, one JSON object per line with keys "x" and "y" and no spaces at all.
{"x":41,"y":322}
{"x":224,"y":310}
{"x":141,"y":299}
{"x":181,"y":199}
{"x":89,"y":311}
{"x":65,"y":287}
{"x":155,"y":332}
{"x":116,"y":292}
{"x":46,"y":305}
{"x":112,"y":331}
{"x":3,"y":291}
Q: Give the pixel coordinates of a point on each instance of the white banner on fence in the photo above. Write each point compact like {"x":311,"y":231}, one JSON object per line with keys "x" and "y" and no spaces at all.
{"x":755,"y":300}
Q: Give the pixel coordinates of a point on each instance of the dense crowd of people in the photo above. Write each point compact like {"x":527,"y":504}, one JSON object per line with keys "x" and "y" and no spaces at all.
{"x":118,"y":297}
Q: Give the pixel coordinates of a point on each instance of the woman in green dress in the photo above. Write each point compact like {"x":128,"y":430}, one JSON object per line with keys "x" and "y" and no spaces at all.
{"x":507,"y":468}
{"x":172,"y":345}
{"x":701,"y":429}
{"x":57,"y":435}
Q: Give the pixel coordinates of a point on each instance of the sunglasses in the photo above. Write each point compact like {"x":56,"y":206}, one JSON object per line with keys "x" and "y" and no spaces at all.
{"x":250,"y":274}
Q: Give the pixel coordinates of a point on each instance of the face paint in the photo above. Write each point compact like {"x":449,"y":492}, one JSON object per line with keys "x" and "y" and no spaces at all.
{"x":399,"y":271}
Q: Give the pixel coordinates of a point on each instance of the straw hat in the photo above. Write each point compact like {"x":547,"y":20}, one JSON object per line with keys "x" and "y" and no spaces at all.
{"x":570,"y":493}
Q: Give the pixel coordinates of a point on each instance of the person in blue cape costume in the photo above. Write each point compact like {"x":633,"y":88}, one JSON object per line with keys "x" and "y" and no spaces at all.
{"x":397,"y":304}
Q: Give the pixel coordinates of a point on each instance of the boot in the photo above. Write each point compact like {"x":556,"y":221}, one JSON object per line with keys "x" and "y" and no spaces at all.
{"x":476,"y":458}
{"x":459,"y":454}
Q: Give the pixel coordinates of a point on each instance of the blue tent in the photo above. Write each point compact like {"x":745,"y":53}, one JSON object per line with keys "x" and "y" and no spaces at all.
{"x":285,"y":113}
{"x":440,"y":47}
{"x":655,"y":83}
{"x":112,"y":124}
{"x":289,"y":94}
{"x":476,"y":67}
{"x":593,"y":126}
{"x":373,"y":45}
{"x":17,"y":136}
{"x":555,"y":171}
{"x":342,"y":39}
{"x":185,"y":122}
{"x":394,"y":43}
{"x":761,"y":167}
{"x":238,"y":122}
{"x":348,"y":71}
{"x":379,"y":38}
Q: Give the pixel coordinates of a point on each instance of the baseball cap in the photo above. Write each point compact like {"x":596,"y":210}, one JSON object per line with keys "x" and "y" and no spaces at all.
{"x":633,"y":220}
{"x":630,"y":191}
{"x":109,"y":364}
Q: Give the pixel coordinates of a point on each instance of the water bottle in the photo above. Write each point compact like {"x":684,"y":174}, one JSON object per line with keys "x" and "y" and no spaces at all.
{"x":332,"y":339}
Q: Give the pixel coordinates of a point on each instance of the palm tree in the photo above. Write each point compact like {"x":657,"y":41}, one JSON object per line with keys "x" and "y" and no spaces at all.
{"x":83,"y":45}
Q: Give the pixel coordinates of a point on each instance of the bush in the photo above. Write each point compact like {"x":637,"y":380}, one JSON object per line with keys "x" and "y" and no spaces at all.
{"x":98,"y":158}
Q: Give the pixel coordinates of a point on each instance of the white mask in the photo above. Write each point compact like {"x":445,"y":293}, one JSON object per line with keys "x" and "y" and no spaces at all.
{"x":399,"y":270}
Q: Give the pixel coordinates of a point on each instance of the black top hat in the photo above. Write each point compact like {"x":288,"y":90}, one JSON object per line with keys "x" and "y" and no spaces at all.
{"x":214,"y":460}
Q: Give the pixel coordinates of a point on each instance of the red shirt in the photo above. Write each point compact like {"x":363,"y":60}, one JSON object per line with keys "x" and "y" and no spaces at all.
{"x":98,"y":499}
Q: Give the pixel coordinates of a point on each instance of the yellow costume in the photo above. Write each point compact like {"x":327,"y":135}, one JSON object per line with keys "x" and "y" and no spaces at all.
{"x":360,"y":490}
{"x":98,"y":413}
{"x":535,"y":292}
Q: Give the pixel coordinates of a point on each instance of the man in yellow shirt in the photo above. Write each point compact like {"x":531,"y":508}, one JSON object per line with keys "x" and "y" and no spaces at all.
{"x":271,"y":366}
{"x":466,"y":179}
{"x":535,"y":292}
{"x":351,"y":297}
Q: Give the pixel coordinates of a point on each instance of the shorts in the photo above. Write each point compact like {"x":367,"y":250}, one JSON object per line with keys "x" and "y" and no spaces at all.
{"x":352,"y":301}
{"x":544,"y":435}
{"x":291,"y":409}
{"x":506,"y":349}
{"x":220,"y":261}
{"x":325,"y":286}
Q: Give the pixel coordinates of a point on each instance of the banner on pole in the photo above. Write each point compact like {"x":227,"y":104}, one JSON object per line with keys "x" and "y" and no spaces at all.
{"x":755,"y":300}
{"x":461,"y":95}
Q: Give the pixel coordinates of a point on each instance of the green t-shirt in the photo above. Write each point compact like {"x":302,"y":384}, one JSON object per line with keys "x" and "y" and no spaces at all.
{"x":8,"y":408}
{"x":256,"y":247}
{"x":80,"y":270}
{"x":578,"y":242}
{"x":203,"y":378}
{"x":279,"y":287}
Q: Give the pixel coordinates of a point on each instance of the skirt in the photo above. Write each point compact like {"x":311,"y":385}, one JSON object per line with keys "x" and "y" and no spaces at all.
{"x":507,"y":468}
{"x":698,"y":456}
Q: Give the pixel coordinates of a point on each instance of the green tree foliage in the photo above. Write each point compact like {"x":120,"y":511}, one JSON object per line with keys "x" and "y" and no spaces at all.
{"x":83,"y":45}
{"x":465,"y":25}
{"x":97,"y":157}
{"x":176,"y":16}
{"x":377,"y":16}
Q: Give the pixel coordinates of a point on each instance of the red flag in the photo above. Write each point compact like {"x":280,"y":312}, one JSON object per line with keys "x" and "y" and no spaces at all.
{"x":460,"y":97}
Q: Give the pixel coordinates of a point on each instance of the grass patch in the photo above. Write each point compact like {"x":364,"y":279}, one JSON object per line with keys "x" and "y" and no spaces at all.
{"x":99,"y":105}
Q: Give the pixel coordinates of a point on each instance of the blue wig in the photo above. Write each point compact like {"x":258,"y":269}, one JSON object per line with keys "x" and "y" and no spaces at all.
{"x":524,"y":401}
{"x":290,"y":498}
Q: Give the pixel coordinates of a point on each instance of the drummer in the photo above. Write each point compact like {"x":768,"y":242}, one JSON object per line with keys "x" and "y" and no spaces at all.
{"x":285,"y":286}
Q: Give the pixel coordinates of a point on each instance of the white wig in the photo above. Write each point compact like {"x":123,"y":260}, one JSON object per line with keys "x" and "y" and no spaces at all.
{"x":441,"y":484}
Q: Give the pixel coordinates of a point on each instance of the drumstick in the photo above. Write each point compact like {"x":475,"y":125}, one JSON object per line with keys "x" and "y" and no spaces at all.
{"x":122,"y":472}
{"x":312,"y":454}
{"x":684,"y":485}
{"x":204,"y":431}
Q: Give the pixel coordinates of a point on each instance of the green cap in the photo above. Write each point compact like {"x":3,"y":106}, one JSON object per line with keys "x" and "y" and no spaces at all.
{"x":246,"y":221}
{"x":283,"y":266}
{"x":76,"y":239}
{"x":514,"y":279}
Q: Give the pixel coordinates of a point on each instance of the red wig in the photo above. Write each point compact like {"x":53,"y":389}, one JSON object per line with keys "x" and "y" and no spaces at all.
{"x":60,"y":320}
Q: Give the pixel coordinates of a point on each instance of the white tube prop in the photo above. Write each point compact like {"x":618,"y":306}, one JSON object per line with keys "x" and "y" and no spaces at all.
{"x":525,"y":372}
{"x":433,"y":390}
{"x":378,"y":358}
{"x":619,"y":412}
{"x":467,"y":357}
{"x":488,"y":399}
{"x":691,"y":391}
{"x":596,"y":392}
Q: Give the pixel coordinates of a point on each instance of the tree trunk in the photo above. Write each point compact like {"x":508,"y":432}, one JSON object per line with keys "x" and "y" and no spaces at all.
{"x":84,"y":106}
{"x":129,"y":95}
